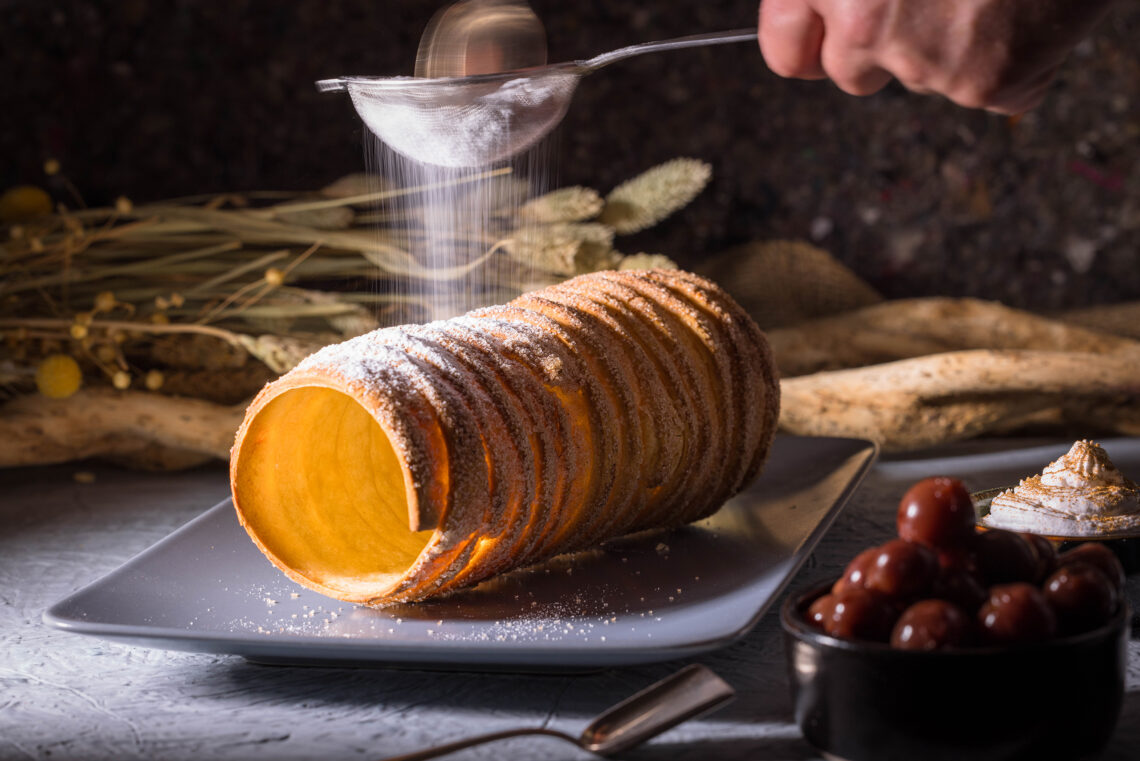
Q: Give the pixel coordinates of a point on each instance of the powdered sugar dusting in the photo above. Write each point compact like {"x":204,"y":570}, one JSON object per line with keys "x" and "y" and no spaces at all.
{"x":463,"y":124}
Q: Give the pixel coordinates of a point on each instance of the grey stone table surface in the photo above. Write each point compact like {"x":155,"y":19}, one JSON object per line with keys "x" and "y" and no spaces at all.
{"x":65,"y":696}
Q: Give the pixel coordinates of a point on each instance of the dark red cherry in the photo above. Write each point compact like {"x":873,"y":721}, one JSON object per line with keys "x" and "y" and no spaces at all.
{"x":937,"y":512}
{"x":821,"y":610}
{"x":1046,"y":554}
{"x":960,"y":587}
{"x":1015,"y":614}
{"x":932,"y":625}
{"x":962,"y":557}
{"x":902,"y":570}
{"x":855,"y":574}
{"x":1099,"y":556}
{"x":860,"y":614}
{"x":1004,"y":556}
{"x":1081,"y":596}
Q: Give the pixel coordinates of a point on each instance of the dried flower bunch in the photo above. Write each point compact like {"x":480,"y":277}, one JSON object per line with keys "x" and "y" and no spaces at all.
{"x":146,"y":328}
{"x":212,"y":296}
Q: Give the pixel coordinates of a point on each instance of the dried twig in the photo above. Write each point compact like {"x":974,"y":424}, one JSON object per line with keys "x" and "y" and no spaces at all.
{"x":37,"y":430}
{"x":916,"y":327}
{"x":924,"y":401}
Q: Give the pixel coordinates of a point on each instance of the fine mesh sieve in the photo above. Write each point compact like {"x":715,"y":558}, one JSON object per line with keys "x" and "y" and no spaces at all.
{"x":477,"y":120}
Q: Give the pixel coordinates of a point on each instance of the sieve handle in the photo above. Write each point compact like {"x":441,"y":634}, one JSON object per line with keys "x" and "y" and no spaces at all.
{"x":692,"y":41}
{"x":331,"y":85}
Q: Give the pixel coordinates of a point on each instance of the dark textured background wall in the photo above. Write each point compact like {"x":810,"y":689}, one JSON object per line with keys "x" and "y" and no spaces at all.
{"x":174,"y":97}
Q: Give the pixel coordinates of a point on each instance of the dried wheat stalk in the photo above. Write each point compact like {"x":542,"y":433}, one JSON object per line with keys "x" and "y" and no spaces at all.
{"x":104,"y":284}
{"x":573,"y":204}
{"x":654,"y":194}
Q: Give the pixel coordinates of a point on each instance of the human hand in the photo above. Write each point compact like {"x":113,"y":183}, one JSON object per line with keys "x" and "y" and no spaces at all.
{"x":999,"y":55}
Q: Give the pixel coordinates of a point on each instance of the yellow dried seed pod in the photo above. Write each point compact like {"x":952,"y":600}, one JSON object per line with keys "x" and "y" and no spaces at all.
{"x":106,"y":353}
{"x":154,"y":380}
{"x":58,"y":376}
{"x":121,"y":380}
{"x":105,"y":301}
{"x":78,"y":331}
{"x":123,"y":205}
{"x":274,"y":276}
{"x":22,"y":203}
{"x":51,"y":167}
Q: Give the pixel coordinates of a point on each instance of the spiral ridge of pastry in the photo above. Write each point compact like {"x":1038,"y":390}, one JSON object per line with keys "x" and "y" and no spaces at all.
{"x":413,"y":461}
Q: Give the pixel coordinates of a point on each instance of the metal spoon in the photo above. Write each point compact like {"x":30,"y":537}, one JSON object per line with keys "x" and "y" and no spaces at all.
{"x":481,"y":37}
{"x":690,"y":692}
{"x":477,"y":120}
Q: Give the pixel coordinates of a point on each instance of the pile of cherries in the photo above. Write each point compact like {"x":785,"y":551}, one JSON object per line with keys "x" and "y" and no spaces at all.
{"x":943,"y":584}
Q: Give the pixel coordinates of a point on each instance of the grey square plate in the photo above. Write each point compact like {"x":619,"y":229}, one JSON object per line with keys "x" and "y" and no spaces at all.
{"x":648,"y":597}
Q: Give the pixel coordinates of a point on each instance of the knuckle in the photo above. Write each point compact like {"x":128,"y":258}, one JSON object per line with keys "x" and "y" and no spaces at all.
{"x":909,"y":70}
{"x":862,"y":89}
{"x":978,"y":90}
{"x":784,"y":67}
{"x":854,"y":84}
{"x":853,"y":73}
{"x":859,"y":25}
{"x":970,"y":96}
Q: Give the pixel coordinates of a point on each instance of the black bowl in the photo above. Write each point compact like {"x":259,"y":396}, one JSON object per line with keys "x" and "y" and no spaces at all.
{"x":865,"y":701}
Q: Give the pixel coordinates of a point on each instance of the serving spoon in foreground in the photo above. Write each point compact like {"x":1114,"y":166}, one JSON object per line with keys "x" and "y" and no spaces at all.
{"x":692,"y":691}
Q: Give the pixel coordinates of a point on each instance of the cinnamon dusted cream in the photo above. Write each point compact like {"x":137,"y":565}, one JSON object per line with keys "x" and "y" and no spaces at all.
{"x":1080,"y":494}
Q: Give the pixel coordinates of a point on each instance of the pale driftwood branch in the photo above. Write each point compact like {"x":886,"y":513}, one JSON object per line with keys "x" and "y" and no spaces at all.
{"x":907,"y":328}
{"x":1121,"y":319}
{"x":929,"y":400}
{"x":35,"y":430}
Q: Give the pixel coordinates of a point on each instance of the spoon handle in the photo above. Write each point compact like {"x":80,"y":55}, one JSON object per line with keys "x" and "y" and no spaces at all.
{"x":440,"y":750}
{"x":691,"y":41}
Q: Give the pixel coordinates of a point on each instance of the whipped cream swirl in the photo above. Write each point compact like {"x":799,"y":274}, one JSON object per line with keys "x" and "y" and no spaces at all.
{"x":1080,"y":494}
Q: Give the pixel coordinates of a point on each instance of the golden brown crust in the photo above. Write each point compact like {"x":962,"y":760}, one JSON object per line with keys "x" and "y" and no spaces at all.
{"x":549,"y":431}
{"x":597,"y":489}
{"x":516,"y":466}
{"x":761,"y":373}
{"x":610,"y":403}
{"x":680,"y":387}
{"x":689,"y":334}
{"x":607,"y":363}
